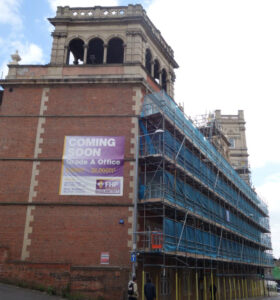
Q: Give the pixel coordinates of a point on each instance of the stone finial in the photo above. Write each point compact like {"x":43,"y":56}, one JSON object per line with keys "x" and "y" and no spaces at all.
{"x":15,"y":58}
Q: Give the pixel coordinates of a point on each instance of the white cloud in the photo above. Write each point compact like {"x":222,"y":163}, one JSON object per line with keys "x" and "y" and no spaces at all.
{"x":269,"y":190}
{"x":13,"y":40}
{"x":275,"y":233}
{"x":30,"y":53}
{"x":229,"y":59}
{"x":81,"y":3}
{"x":9,"y":13}
{"x":3,"y":70}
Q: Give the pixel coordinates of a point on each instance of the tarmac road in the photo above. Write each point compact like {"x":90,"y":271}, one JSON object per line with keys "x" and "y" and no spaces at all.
{"x":10,"y":292}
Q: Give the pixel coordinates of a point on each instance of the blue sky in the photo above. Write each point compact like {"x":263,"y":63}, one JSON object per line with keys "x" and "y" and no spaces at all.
{"x":228,"y":52}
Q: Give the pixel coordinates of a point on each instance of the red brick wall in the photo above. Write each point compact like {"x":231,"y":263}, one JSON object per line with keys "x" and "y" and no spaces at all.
{"x":111,"y":283}
{"x":36,"y":275}
{"x":14,"y":181}
{"x":12,"y":221}
{"x":63,"y":231}
{"x":21,"y":101}
{"x":78,"y":235}
{"x":102,"y":70}
{"x":103,"y":282}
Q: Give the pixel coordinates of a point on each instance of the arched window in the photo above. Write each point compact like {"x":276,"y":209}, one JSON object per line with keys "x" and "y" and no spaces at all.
{"x":148,"y":62}
{"x":156,"y":71}
{"x":95,"y":51}
{"x":115,"y":51}
{"x":75,"y":52}
{"x":164,"y":80}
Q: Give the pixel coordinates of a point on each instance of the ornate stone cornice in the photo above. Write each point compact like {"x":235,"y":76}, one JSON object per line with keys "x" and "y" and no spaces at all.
{"x":59,"y":34}
{"x":137,"y":32}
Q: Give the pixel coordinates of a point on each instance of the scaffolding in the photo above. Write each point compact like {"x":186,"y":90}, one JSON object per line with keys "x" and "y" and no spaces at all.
{"x":197,"y":217}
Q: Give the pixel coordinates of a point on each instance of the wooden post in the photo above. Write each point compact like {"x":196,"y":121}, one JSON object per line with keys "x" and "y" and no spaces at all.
{"x":246,"y":289}
{"x":212,"y":285}
{"x":225,"y":292}
{"x":239,"y":291}
{"x":176,"y":280}
{"x":205,"y":288}
{"x":189,"y":287}
{"x":219,"y":290}
{"x":143,"y":283}
{"x":196,"y":285}
{"x":230,"y":296}
{"x":157,"y":289}
{"x":242,"y":284}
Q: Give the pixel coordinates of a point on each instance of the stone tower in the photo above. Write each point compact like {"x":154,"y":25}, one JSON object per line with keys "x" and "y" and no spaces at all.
{"x":233,"y":126}
{"x":102,"y":36}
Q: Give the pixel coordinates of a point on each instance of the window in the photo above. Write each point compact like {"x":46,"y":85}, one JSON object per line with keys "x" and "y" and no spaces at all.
{"x":232,"y":142}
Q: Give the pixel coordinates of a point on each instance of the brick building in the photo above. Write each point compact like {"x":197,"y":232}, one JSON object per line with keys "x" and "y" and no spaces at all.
{"x":94,"y":86}
{"x":181,"y":207}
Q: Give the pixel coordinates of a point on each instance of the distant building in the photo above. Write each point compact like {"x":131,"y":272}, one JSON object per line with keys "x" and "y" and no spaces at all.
{"x":212,"y":130}
{"x":102,"y":174}
{"x":233,"y":126}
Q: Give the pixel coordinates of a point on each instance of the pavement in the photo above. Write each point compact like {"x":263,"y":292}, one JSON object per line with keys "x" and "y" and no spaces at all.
{"x":275,"y":297}
{"x":11,"y":292}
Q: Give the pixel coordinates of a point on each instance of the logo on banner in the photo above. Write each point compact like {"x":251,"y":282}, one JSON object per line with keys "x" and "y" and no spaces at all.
{"x":105,"y":186}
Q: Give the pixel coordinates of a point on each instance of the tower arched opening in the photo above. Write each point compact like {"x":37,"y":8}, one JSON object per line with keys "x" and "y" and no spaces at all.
{"x":75,"y":53}
{"x":95,"y":51}
{"x":156,"y":71}
{"x":164,"y":80}
{"x":148,"y":61}
{"x":115,"y":52}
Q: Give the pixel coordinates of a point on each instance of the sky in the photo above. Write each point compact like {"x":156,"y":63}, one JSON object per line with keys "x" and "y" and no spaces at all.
{"x":229,"y":57}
